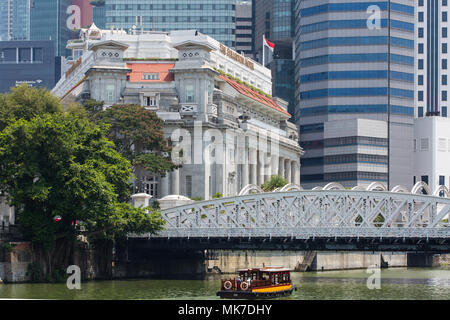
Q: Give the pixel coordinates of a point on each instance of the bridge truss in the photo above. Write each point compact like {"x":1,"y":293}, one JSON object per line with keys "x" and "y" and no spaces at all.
{"x":320,"y":213}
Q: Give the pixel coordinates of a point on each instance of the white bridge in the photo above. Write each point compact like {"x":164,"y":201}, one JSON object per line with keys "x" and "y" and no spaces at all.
{"x":330,"y":212}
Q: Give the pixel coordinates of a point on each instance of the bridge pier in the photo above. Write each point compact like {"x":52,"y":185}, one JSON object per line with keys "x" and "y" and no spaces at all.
{"x":422,"y":260}
{"x":160,"y":263}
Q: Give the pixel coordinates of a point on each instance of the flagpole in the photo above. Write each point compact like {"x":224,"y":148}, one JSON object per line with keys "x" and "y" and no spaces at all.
{"x":264,"y":50}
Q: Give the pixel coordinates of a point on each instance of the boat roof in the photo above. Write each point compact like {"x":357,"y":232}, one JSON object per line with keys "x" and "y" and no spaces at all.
{"x":267,"y":269}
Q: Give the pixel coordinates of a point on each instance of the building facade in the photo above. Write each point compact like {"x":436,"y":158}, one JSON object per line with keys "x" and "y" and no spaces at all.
{"x":432,"y":151}
{"x":99,"y":15}
{"x":244,"y":28}
{"x":355,"y":60}
{"x":215,"y":18}
{"x":275,"y":20}
{"x":30,"y":62}
{"x":432,"y":26}
{"x":49,"y":21}
{"x":226,"y":129}
{"x":14,"y":20}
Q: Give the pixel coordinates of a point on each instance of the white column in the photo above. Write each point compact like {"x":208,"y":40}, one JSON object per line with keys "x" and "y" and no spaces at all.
{"x":297,"y":173}
{"x":165,"y":185}
{"x":274,"y":165}
{"x":293,"y":171}
{"x":245,"y":168}
{"x":175,"y":182}
{"x":261,"y":167}
{"x":281,"y":167}
{"x":288,"y":170}
{"x":253,"y":166}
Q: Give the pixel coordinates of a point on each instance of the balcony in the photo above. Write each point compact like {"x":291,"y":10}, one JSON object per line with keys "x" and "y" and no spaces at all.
{"x":188,"y":109}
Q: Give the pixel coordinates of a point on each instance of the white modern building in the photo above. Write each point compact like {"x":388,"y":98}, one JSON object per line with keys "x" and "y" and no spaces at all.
{"x":226,"y":129}
{"x":432,"y":52}
{"x":432,"y":151}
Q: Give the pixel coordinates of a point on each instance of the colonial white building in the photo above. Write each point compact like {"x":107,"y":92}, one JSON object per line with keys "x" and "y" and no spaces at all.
{"x":226,"y":129}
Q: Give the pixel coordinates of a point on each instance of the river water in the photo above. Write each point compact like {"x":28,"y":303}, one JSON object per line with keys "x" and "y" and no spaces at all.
{"x":401,"y":283}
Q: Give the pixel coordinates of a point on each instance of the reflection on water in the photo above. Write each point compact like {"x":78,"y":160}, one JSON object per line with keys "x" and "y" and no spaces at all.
{"x":395,"y":284}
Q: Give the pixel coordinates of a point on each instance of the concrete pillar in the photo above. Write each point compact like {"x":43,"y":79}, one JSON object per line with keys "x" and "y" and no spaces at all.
{"x":141,"y":200}
{"x":165,"y":186}
{"x":175,"y":182}
{"x":253,"y":166}
{"x":293,"y":171}
{"x":275,"y":162}
{"x":281,"y":167}
{"x":261,"y":168}
{"x":288,"y":170}
{"x":245,"y":169}
{"x":297,"y":173}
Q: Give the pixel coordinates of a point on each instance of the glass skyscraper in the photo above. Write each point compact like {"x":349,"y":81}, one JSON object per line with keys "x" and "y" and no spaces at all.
{"x":355,"y":60}
{"x":215,"y":18}
{"x":15,"y":19}
{"x":275,"y":20}
{"x":99,"y":16}
{"x":432,"y":26}
{"x":49,"y":22}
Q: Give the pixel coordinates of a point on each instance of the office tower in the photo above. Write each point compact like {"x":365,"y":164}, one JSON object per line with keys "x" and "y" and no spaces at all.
{"x":5,"y":9}
{"x":275,"y":20}
{"x":14,"y":19}
{"x":215,"y":18}
{"x":432,"y":57}
{"x":355,"y":80}
{"x":30,"y":62}
{"x":244,"y":28}
{"x":99,"y":14}
{"x":49,"y":21}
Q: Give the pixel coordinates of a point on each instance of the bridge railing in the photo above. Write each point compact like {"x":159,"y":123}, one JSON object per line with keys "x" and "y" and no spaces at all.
{"x":306,"y":214}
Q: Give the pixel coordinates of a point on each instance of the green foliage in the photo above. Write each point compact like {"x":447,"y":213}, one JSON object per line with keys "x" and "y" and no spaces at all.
{"x":59,"y":275}
{"x":26,"y":103}
{"x":138,"y":136}
{"x":274,"y":183}
{"x":8,"y":246}
{"x":63,"y":165}
{"x":378,"y":221}
{"x":218,"y":195}
{"x":34,"y":271}
{"x":93,"y":106}
{"x":197,"y":199}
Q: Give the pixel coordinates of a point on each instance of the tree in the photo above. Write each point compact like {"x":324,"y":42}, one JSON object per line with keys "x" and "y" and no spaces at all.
{"x":25,"y":103}
{"x":62,"y":165}
{"x":274,"y":183}
{"x":139,"y":137}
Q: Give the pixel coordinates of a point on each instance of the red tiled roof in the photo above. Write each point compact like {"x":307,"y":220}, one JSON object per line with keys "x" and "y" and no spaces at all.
{"x":246,"y":91}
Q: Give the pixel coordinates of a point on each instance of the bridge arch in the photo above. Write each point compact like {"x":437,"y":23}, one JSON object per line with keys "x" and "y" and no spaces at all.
{"x":400,"y":189}
{"x":250,"y":189}
{"x":317,"y":188}
{"x":358,"y":188}
{"x":333,"y":186}
{"x":421,"y":186}
{"x":376,"y":186}
{"x":443,"y":189}
{"x":291,"y":187}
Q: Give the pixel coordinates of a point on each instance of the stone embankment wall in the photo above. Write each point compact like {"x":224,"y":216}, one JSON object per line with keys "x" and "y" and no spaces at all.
{"x":14,"y":260}
{"x":227,"y":261}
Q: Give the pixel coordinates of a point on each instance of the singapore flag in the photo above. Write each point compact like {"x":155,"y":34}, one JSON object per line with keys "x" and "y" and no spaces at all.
{"x":268,"y":48}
